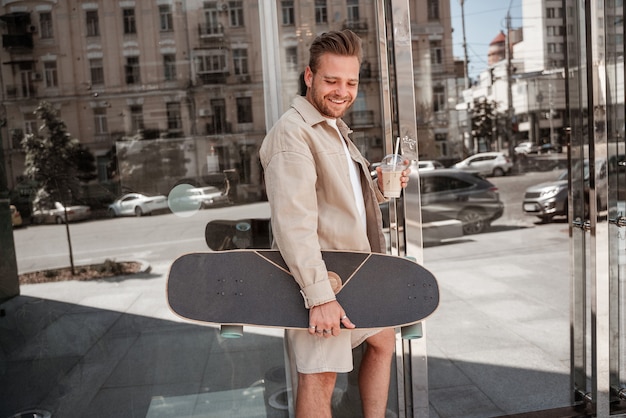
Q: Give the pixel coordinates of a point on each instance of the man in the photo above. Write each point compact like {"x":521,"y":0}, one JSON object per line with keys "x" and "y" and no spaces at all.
{"x":322,"y":198}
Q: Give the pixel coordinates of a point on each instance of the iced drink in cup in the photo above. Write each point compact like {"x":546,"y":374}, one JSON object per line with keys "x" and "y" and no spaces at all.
{"x":392,"y":167}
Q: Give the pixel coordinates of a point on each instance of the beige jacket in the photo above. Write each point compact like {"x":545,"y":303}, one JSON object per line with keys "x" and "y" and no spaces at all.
{"x":310,"y":195}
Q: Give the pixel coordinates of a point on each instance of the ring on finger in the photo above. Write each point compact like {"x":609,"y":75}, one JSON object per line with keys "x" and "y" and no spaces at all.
{"x":327,"y":331}
{"x":343,"y":317}
{"x":312,"y":326}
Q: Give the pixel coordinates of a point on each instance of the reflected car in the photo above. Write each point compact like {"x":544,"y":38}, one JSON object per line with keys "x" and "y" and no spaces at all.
{"x":56,"y":212}
{"x":549,"y":199}
{"x":205,"y":197}
{"x":137,"y":204}
{"x":16,"y":217}
{"x":451,"y":194}
{"x":487,"y":164}
{"x":526,"y":148}
{"x":548,"y":148}
{"x":424,"y":165}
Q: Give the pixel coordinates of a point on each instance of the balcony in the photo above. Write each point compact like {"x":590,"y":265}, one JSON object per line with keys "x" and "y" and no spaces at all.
{"x":213,"y":77}
{"x":20,"y":41}
{"x":362,"y":119}
{"x":356,"y":26}
{"x":23,"y":91}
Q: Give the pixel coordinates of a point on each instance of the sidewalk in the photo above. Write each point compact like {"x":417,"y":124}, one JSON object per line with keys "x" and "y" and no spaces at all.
{"x":111,"y":348}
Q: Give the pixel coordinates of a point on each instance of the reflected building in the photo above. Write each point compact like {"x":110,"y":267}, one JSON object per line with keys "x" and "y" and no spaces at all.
{"x":160,"y":91}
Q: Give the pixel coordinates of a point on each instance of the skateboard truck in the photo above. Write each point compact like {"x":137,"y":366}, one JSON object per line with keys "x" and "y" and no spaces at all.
{"x":231,"y":331}
{"x":412,"y":332}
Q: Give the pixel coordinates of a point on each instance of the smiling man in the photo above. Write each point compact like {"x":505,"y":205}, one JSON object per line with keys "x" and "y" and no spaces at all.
{"x":322,"y":197}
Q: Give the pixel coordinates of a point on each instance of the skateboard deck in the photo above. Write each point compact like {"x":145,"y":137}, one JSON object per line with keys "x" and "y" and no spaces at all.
{"x":223,"y":235}
{"x":254,"y":287}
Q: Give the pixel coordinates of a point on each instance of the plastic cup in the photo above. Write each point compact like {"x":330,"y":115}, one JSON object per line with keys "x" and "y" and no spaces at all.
{"x":392,"y":167}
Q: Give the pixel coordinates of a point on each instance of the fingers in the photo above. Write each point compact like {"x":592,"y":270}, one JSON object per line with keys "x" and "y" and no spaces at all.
{"x":322,"y":326}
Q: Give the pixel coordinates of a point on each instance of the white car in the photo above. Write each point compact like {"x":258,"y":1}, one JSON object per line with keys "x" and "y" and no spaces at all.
{"x":206,"y":196}
{"x":526,"y":148}
{"x":426,"y":165}
{"x":137,"y":204}
{"x":55,"y":213}
{"x":487,"y":164}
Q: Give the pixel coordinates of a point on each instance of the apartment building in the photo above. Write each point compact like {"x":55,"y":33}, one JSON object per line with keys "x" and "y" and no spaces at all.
{"x":172,"y":91}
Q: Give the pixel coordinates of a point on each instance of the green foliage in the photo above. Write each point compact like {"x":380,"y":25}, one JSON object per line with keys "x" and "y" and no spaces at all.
{"x":51,"y":156}
{"x":484,"y":119}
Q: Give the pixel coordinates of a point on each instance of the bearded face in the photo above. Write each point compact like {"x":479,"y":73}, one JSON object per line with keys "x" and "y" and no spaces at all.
{"x":333,"y":87}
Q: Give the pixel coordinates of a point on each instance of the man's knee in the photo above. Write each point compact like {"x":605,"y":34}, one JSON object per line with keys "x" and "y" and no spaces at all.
{"x":383,"y":342}
{"x":317,"y":381}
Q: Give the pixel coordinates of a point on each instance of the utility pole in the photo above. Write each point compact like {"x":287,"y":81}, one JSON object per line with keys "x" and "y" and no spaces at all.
{"x":465,"y":60}
{"x":509,"y":79}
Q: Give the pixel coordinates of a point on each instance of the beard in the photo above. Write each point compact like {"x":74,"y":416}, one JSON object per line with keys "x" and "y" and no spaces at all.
{"x":325,"y":105}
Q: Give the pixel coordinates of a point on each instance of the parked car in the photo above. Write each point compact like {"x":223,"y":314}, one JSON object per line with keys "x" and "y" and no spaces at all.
{"x":55,"y":213}
{"x":205,"y":197}
{"x":16,"y":217}
{"x":549,"y":199}
{"x":137,"y":204}
{"x":487,"y":164}
{"x":447,"y":194}
{"x":423,"y":165}
{"x":526,"y":147}
{"x":549,"y":148}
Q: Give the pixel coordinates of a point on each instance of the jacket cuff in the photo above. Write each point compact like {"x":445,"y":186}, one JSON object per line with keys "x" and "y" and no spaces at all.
{"x":317,"y":294}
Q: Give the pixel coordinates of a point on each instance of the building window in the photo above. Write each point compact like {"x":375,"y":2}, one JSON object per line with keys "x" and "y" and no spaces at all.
{"x":555,"y":30}
{"x":321,"y":11}
{"x":244,"y":110}
{"x":165,"y":18}
{"x":30,"y":123}
{"x":439,"y":99}
{"x":240,"y":61}
{"x":353,"y":14}
{"x":169,"y":66}
{"x":97,"y":71}
{"x":211,"y":19}
{"x":433,"y":9}
{"x":132,"y":70}
{"x":136,"y":118}
{"x":100,"y":121}
{"x":93,"y":24}
{"x":130,"y":26}
{"x":291,"y":56}
{"x":288,"y":12}
{"x":50,"y":73}
{"x":45,"y":25}
{"x":436,"y":53}
{"x":236,"y":13}
{"x":213,"y":63}
{"x":174,"y":120}
{"x":554,"y":12}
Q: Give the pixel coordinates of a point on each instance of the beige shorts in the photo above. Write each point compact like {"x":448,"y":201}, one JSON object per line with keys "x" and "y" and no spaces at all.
{"x":313,"y":354}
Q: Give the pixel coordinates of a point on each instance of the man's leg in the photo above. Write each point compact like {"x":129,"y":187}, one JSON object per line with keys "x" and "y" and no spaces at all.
{"x":314,"y":395}
{"x":375,"y":372}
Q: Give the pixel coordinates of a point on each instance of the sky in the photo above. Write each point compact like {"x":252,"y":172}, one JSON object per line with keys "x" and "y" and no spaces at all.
{"x":484,"y":19}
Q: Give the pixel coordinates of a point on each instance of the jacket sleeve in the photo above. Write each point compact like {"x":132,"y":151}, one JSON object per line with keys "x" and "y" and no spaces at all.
{"x":290,"y":178}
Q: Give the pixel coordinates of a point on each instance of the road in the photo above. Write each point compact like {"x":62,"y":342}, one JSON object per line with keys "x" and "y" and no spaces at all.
{"x":160,"y":238}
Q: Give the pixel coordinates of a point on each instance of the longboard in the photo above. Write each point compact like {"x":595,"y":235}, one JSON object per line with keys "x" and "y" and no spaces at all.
{"x":255,"y":288}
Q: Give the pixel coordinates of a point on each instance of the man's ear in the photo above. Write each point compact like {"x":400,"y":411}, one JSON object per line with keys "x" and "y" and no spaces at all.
{"x":308,"y":76}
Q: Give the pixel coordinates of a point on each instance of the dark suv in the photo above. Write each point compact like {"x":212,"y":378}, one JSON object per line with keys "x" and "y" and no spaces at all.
{"x":454,"y":194}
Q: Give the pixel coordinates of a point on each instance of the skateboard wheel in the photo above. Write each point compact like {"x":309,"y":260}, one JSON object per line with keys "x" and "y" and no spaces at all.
{"x":231,"y":331}
{"x":412,"y":332}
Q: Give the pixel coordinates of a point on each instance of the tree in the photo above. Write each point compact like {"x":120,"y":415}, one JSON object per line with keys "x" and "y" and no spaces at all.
{"x":484,"y":121}
{"x":51,"y":157}
{"x":51,"y":162}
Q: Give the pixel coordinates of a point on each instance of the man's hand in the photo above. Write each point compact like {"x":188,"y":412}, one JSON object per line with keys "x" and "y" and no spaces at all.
{"x":404,"y":179}
{"x":326,"y":320}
